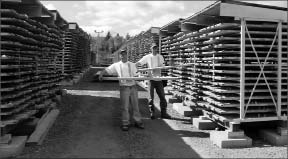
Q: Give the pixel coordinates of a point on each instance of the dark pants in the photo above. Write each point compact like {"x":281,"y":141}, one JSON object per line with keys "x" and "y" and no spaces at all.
{"x":158,"y":85}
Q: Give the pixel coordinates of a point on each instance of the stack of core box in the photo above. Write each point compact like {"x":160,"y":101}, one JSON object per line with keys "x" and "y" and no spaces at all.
{"x":212,"y":78}
{"x":28,"y":73}
{"x":219,"y":64}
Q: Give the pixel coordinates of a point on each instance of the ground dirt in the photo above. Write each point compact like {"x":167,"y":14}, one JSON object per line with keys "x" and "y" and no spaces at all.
{"x":89,"y":127}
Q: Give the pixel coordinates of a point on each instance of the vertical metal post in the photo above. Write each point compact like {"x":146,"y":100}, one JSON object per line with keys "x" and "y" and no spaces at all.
{"x":160,"y":44}
{"x":279,"y":72}
{"x":63,"y":59}
{"x":287,"y":66}
{"x":242,"y":70}
{"x":0,"y":78}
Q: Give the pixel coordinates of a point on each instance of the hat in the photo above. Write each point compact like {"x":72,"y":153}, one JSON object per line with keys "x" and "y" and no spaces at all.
{"x":153,"y":45}
{"x":123,"y":51}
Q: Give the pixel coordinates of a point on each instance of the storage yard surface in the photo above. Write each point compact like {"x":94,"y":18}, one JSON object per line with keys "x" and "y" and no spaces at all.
{"x":88,"y":126}
{"x":228,"y":74}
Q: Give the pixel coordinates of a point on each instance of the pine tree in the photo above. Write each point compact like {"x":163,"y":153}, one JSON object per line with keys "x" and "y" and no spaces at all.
{"x":127,"y":36}
{"x":108,"y":36}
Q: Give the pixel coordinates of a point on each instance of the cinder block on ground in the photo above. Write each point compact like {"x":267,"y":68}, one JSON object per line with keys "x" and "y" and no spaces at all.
{"x":282,"y":130}
{"x":172,"y":100}
{"x":202,"y":117}
{"x":6,"y":139}
{"x":222,"y":140}
{"x":66,"y":83}
{"x":196,"y":112}
{"x":203,"y":124}
{"x":14,"y":148}
{"x":58,"y":99}
{"x":181,"y":109}
{"x":167,"y":92}
{"x":273,"y":137}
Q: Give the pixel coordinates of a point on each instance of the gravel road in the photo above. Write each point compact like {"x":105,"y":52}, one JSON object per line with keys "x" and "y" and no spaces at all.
{"x":89,"y":127}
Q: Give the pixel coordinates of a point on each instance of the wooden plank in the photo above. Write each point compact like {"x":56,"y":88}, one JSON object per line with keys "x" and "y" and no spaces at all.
{"x":37,"y":137}
{"x":140,"y":78}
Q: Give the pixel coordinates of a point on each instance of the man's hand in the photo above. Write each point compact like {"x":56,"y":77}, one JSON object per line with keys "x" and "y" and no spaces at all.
{"x":137,"y":64}
{"x":101,"y":75}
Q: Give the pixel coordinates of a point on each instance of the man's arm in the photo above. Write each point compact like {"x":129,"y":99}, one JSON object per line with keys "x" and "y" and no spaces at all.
{"x":137,"y":64}
{"x":142,"y":61}
{"x":103,"y":72}
{"x":162,"y":62}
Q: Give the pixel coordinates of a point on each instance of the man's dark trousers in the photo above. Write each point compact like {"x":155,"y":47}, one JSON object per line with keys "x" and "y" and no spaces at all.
{"x":158,"y":85}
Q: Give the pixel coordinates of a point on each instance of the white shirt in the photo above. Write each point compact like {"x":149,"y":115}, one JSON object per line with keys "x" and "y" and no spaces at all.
{"x":127,"y":69}
{"x":153,"y":61}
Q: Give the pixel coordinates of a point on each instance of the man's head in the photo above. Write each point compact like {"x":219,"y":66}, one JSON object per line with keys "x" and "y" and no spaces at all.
{"x":123,"y":56}
{"x":154,"y":48}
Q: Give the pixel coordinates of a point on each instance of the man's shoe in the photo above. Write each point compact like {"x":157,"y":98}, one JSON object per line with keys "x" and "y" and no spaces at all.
{"x":165,"y":116}
{"x":152,"y":116}
{"x":139,"y":125}
{"x":125,"y":127}
{"x":152,"y":111}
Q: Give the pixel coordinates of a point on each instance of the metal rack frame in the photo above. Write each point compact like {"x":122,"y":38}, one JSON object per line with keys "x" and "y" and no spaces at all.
{"x":244,"y":106}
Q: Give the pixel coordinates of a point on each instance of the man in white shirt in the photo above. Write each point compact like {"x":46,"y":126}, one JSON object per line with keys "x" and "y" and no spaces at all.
{"x":128,"y":89}
{"x":155,"y":60}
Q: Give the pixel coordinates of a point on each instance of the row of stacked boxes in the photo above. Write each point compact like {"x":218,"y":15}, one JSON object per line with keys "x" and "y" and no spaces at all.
{"x":211,"y":78}
{"x":32,"y":60}
{"x":75,"y":54}
{"x":213,"y":75}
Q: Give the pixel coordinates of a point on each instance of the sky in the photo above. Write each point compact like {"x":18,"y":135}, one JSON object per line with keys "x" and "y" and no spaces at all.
{"x":130,"y":17}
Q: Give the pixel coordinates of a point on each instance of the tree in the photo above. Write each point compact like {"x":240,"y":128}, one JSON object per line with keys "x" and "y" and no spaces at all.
{"x":127,"y":36}
{"x":111,"y":46}
{"x":108,"y":36}
{"x":118,"y":41}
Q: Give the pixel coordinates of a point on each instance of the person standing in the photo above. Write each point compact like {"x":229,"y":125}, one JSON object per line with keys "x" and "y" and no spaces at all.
{"x":128,"y":90}
{"x":155,"y":60}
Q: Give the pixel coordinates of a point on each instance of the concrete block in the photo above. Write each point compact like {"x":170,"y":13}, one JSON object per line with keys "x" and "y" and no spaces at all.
{"x":64,"y":92}
{"x":173,"y":100}
{"x":195,"y":112}
{"x":6,"y":139}
{"x":204,"y":124}
{"x":221,"y":139}
{"x":167,"y":92}
{"x":14,"y":148}
{"x":183,"y":110}
{"x":273,"y":137}
{"x":203,"y":118}
{"x":234,"y":135}
{"x":282,"y":131}
{"x":58,"y":98}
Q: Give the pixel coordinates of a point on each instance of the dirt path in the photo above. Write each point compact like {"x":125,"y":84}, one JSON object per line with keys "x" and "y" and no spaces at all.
{"x":89,"y":126}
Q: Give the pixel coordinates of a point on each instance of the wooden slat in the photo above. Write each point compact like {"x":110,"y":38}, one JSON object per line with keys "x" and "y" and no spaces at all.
{"x":140,"y":78}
